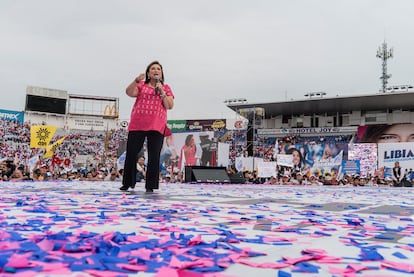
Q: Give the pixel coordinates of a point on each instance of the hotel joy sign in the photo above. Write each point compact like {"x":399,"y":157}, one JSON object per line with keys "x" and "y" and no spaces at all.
{"x":302,"y":131}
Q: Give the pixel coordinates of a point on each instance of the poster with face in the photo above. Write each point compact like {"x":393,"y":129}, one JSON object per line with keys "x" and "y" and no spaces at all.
{"x":384,"y":133}
{"x":181,"y":149}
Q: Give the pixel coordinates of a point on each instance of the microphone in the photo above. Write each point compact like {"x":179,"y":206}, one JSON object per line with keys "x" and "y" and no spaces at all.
{"x":157,"y":79}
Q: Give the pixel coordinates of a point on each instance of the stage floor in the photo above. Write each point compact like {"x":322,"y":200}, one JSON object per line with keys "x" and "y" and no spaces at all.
{"x":189,"y":230}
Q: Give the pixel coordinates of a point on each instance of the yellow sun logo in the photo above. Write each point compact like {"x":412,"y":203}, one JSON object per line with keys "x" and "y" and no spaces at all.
{"x":42,"y":134}
{"x":54,"y":147}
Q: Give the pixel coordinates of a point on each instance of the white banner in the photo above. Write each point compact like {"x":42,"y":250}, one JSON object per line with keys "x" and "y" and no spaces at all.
{"x":285,"y":160}
{"x":266,"y":169}
{"x":244,"y":163}
{"x":223,"y":154}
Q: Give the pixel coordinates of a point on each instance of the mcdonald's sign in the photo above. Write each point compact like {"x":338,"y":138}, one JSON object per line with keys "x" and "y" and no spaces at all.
{"x":110,"y":111}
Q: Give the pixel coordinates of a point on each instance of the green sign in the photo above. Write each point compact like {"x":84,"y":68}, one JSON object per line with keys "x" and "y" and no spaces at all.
{"x":177,"y":125}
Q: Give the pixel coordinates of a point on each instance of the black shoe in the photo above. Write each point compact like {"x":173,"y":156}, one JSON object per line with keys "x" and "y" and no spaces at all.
{"x":149,"y":190}
{"x":124,"y":187}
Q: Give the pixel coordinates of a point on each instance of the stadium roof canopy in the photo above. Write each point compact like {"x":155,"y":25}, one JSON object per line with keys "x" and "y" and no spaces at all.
{"x":339,"y":104}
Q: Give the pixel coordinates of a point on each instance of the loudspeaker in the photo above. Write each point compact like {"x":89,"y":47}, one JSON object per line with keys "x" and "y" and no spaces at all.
{"x":237,"y":178}
{"x":205,"y":174}
{"x":250,"y":139}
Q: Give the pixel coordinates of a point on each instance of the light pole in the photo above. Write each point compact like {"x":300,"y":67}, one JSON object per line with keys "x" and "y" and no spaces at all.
{"x":320,"y":94}
{"x":231,"y":102}
{"x":384,"y":54}
{"x":235,"y":101}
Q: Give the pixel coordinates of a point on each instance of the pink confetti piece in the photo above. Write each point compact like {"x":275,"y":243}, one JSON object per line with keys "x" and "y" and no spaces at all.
{"x":19,"y":261}
{"x":264,"y":265}
{"x":107,"y":273}
{"x":399,"y":266}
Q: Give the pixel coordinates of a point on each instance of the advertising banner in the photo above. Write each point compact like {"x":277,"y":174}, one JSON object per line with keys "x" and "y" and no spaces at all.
{"x":402,"y":152}
{"x":12,"y":116}
{"x":206,"y":124}
{"x":189,"y":148}
{"x":366,"y":155}
{"x":177,"y":125}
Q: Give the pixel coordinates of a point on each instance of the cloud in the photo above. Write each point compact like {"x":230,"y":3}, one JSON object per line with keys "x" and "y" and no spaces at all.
{"x":211,"y":51}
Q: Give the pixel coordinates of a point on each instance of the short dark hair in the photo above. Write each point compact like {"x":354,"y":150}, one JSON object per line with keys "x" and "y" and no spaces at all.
{"x":147,"y":78}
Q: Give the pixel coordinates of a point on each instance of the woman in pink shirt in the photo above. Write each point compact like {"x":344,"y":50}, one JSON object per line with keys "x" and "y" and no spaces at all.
{"x":188,"y":152}
{"x":148,"y":120}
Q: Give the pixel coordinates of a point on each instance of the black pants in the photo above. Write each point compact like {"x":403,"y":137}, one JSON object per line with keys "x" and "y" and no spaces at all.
{"x":135,"y":142}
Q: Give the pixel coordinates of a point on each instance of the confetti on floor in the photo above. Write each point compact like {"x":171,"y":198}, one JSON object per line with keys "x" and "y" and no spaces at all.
{"x":191,"y":230}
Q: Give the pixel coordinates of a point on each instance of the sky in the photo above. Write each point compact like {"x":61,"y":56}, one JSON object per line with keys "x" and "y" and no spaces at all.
{"x":211,"y":51}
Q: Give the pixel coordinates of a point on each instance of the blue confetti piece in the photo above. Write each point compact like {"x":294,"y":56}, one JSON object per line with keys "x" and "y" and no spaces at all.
{"x":370,"y":255}
{"x":19,"y":203}
{"x":353,"y":222}
{"x":29,"y":246}
{"x":114,"y":251}
{"x":207,"y":269}
{"x":112,"y":260}
{"x":322,"y":233}
{"x":384,"y":237}
{"x":83,"y":267}
{"x":282,"y":243}
{"x":282,"y":273}
{"x":59,"y":236}
{"x":10,"y":270}
{"x":399,"y":255}
{"x":118,"y":237}
{"x":82,"y":212}
{"x":357,"y":235}
{"x":102,"y":215}
{"x":58,"y":245}
{"x":58,"y":218}
{"x":88,"y":235}
{"x":4,"y":260}
{"x":73,"y":248}
{"x":75,"y":227}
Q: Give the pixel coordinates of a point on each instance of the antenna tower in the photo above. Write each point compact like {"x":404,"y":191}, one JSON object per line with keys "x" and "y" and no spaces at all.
{"x":384,"y":54}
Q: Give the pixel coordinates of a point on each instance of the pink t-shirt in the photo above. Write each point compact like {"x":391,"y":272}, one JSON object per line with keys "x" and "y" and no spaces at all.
{"x":148,"y":113}
{"x":189,"y":156}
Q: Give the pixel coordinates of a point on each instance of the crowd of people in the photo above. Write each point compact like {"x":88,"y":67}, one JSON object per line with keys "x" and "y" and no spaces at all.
{"x":103,"y":151}
{"x":13,"y":172}
{"x":287,"y":177}
{"x":15,"y":154}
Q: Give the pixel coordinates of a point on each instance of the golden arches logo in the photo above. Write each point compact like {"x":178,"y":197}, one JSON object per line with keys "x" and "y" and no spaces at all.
{"x":110,"y":111}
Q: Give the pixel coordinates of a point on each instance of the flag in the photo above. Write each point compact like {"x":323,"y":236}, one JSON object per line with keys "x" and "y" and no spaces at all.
{"x":182,"y":161}
{"x":50,"y":149}
{"x":31,"y":163}
{"x":121,"y":160}
{"x":41,"y":135}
